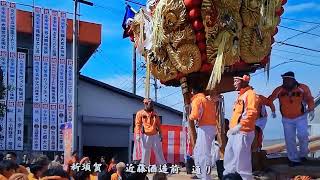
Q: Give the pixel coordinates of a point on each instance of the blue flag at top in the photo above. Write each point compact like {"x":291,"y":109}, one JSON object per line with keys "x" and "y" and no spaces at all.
{"x":128,"y":17}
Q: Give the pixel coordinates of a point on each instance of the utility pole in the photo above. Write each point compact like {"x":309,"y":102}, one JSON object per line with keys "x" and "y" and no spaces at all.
{"x":134,"y":70}
{"x":75,"y":74}
{"x":155,"y":89}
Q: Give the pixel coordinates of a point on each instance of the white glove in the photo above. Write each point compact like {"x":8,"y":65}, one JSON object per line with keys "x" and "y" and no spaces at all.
{"x":311,"y":115}
{"x":273,"y":115}
{"x":234,"y":130}
{"x":138,"y":137}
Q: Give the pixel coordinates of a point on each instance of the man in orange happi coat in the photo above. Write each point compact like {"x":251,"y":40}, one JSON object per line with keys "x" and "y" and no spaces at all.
{"x":147,"y":130}
{"x":296,"y":102}
{"x":203,"y":112}
{"x":241,"y":132}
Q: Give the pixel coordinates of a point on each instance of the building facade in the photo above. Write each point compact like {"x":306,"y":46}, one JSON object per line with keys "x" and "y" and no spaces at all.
{"x":106,"y":116}
{"x":105,"y":113}
{"x":89,"y":41}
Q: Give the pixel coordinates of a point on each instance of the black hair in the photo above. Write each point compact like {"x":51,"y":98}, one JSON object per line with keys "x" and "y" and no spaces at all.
{"x":103,"y":175}
{"x":74,"y":153}
{"x":198,"y":88}
{"x":42,"y":160}
{"x":56,"y":172}
{"x":159,"y":176}
{"x":81,"y":175}
{"x":7,"y":165}
{"x":12,"y":154}
{"x":34,"y":168}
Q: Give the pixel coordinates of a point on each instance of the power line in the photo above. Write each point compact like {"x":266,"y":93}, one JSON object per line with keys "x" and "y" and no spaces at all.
{"x":128,"y":84}
{"x":169,"y":95}
{"x":315,"y":27}
{"x":140,"y":73}
{"x":287,"y":62}
{"x":110,"y":9}
{"x":296,"y":46}
{"x":116,"y":69}
{"x":32,"y":6}
{"x":274,"y":49}
{"x":299,"y":20}
{"x":296,"y":60}
{"x":173,"y":105}
{"x":297,"y":30}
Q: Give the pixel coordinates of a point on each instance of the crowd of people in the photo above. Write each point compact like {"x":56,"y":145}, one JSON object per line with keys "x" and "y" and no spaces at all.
{"x":41,"y":168}
{"x":249,"y":114}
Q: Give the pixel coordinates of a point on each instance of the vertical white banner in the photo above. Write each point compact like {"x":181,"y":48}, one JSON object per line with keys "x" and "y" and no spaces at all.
{"x":4,"y":67}
{"x":21,"y":75}
{"x":45,"y":80}
{"x":62,"y":77}
{"x":37,"y":46}
{"x":10,"y":125}
{"x":53,"y":81}
{"x":12,"y":78}
{"x":69,"y":89}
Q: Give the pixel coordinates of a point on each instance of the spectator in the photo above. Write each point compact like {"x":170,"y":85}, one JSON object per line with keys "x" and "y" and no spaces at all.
{"x":18,"y":176}
{"x":38,"y":167}
{"x":112,"y":165}
{"x":75,"y":156}
{"x":74,"y":159}
{"x":120,"y":172}
{"x":160,"y":176}
{"x":13,"y":157}
{"x":85,"y":160}
{"x":25,"y":161}
{"x":7,"y":169}
{"x":104,"y":174}
{"x":81,"y":175}
{"x":57,"y":159}
{"x":134,"y":176}
{"x":55,"y":174}
{"x":55,"y":165}
{"x":102,"y":160}
{"x":62,"y":159}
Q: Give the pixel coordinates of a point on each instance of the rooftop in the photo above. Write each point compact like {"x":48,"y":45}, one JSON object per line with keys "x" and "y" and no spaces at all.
{"x":89,"y":34}
{"x":125,"y":93}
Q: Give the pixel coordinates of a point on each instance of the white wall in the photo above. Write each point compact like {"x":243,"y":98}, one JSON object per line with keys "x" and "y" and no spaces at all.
{"x":106,"y":117}
{"x":99,"y":102}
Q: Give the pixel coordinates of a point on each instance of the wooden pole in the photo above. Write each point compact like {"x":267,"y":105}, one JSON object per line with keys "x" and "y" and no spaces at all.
{"x":134,"y":70}
{"x":222,"y":126}
{"x":187,"y":98}
{"x":147,"y":84}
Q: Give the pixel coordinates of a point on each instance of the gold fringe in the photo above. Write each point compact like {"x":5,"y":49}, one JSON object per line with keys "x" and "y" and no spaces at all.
{"x":269,"y":14}
{"x":218,"y":68}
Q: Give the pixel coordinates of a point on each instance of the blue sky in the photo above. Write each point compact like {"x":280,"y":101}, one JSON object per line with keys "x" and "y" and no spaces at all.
{"x":112,"y":62}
